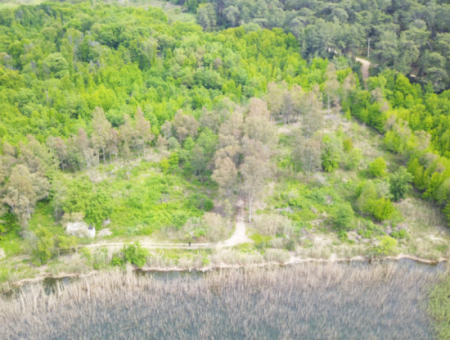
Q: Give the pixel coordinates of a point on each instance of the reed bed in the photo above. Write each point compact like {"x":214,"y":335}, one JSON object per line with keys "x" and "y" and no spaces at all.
{"x":307,"y":301}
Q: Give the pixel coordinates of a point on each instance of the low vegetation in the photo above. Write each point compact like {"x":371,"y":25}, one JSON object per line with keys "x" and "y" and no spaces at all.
{"x":306,"y":301}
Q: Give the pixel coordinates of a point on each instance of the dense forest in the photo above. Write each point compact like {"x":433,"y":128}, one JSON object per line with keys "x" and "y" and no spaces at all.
{"x":131,"y":122}
{"x":412,"y":37}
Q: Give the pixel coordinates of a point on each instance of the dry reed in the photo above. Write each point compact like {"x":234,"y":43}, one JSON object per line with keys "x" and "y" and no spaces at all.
{"x":307,"y":301}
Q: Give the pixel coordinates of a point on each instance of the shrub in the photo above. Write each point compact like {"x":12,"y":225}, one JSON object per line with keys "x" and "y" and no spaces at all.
{"x":44,"y":247}
{"x":366,"y":193}
{"x":378,"y":167}
{"x":353,"y":159}
{"x":348,"y":145}
{"x":401,"y":234}
{"x":343,"y":217}
{"x":382,"y":209}
{"x":67,"y":243}
{"x":86,"y":253}
{"x":400,"y":182}
{"x":117,"y":261}
{"x":387,"y":246}
{"x":100,"y":258}
{"x":273,"y":225}
{"x":261,"y":242}
{"x":135,"y":254}
{"x":200,"y":202}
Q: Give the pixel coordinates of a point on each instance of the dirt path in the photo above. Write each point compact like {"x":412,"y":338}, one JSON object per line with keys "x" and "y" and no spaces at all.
{"x":364,"y":69}
{"x":239,"y":236}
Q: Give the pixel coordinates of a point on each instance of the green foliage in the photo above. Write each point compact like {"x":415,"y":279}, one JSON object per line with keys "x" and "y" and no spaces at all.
{"x":331,"y":153}
{"x":439,"y":307}
{"x":386,"y":246}
{"x":44,"y":247}
{"x":343,"y":217}
{"x":348,"y":145}
{"x":165,"y":165}
{"x":261,"y":241}
{"x":400,"y":183}
{"x":94,"y":201}
{"x":200,"y":202}
{"x":86,"y":254}
{"x":67,"y":243}
{"x":353,"y":159}
{"x":135,"y":254}
{"x":100,"y":258}
{"x":401,"y":234}
{"x":378,"y":167}
{"x":382,"y":209}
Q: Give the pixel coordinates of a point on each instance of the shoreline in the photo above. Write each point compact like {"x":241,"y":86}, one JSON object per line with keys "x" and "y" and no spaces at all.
{"x":293,"y":261}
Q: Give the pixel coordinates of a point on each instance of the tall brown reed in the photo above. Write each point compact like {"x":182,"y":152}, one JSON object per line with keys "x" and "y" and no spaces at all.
{"x":308,"y":301}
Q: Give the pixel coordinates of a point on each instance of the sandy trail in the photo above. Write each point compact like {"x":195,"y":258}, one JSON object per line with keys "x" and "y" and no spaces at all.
{"x":239,"y":236}
{"x":364,"y":69}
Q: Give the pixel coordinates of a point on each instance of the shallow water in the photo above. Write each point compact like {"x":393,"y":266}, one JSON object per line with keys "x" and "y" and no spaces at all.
{"x":293,"y":302}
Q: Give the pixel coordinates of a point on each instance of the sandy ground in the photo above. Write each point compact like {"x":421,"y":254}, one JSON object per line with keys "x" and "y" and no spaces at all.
{"x":364,"y":69}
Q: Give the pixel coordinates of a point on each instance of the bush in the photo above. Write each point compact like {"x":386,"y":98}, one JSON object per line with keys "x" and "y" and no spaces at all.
{"x":261,"y":242}
{"x":400,"y":182}
{"x":200,"y":202}
{"x":86,"y":253}
{"x":353,"y":159}
{"x":273,"y":225}
{"x":44,"y":247}
{"x":135,"y":254}
{"x":67,"y":243}
{"x":382,"y":209}
{"x":401,"y":234}
{"x":378,"y":167}
{"x":386,"y":246}
{"x":100,"y":258}
{"x":348,"y":145}
{"x":343,"y":217}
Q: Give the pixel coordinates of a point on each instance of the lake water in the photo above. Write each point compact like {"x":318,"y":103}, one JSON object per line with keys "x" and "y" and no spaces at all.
{"x":314,"y":301}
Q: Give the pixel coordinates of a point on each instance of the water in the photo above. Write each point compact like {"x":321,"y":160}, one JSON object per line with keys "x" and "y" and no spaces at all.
{"x":341,"y":301}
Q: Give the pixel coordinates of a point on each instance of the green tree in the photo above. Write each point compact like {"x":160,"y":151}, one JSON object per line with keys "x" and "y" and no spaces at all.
{"x":135,"y":254}
{"x":378,"y":167}
{"x":382,"y":209}
{"x":44,"y":247}
{"x":56,"y":65}
{"x":400,"y":182}
{"x":343,"y":217}
{"x":331,"y":154}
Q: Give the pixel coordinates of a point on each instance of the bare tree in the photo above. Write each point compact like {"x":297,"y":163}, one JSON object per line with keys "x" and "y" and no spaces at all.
{"x":312,"y":119}
{"x":254,"y":171}
{"x":102,"y":132}
{"x":225,"y":175}
{"x":143,"y":129}
{"x":23,"y":191}
{"x":185,"y":125}
{"x":257,"y":124}
{"x":306,"y":154}
{"x":331,"y":85}
{"x":166,"y":129}
{"x":127,"y":136}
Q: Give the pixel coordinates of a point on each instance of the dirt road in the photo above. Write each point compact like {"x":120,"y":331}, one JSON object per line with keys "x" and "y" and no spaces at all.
{"x":239,"y":236}
{"x":364,"y":69}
